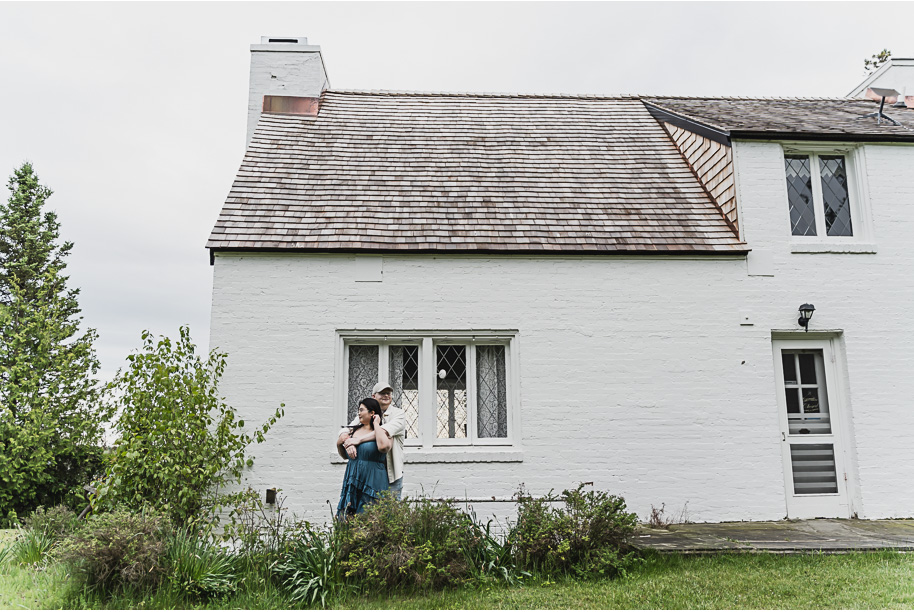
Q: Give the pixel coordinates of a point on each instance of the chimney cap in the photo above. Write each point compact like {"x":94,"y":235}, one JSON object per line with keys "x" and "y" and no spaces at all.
{"x":293,"y":40}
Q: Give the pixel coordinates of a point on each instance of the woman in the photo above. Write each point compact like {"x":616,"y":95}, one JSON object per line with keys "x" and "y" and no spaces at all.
{"x":366,"y":474}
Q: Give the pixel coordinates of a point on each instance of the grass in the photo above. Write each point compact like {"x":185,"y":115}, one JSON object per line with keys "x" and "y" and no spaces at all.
{"x":762,"y":581}
{"x":861,"y":580}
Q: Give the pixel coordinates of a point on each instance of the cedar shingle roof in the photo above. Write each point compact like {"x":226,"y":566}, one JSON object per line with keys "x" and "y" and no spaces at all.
{"x":826,"y":117}
{"x":498,"y":173}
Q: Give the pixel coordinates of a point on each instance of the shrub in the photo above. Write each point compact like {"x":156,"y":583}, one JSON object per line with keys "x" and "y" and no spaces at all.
{"x":179,"y":443}
{"x":58,"y":521}
{"x":119,"y":548}
{"x":198,"y":567}
{"x":410,"y":543}
{"x":589,"y":536}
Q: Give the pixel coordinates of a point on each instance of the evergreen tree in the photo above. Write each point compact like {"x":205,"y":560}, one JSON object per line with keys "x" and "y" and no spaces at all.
{"x":50,"y":425}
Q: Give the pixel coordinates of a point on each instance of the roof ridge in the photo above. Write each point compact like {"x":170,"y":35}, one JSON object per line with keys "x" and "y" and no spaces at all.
{"x":759,"y":98}
{"x":474,"y":94}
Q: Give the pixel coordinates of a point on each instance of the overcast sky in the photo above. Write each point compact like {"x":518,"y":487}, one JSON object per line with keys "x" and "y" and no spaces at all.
{"x":134,"y":114}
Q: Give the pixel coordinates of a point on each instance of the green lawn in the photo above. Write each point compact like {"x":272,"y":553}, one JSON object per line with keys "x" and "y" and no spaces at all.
{"x":870,"y":580}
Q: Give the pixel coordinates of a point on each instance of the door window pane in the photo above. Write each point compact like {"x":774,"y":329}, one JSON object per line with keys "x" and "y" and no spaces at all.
{"x":790,"y":369}
{"x":363,"y":375}
{"x":451,"y":381}
{"x":807,"y":368}
{"x":793,"y":401}
{"x":799,"y":195}
{"x":810,"y":401}
{"x":491,"y":392}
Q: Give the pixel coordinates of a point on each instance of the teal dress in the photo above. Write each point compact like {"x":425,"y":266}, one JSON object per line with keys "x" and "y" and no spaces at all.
{"x":364,"y":481}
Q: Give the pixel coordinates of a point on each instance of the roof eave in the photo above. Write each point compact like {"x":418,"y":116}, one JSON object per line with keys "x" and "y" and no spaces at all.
{"x":737,"y":251}
{"x":820,"y":136}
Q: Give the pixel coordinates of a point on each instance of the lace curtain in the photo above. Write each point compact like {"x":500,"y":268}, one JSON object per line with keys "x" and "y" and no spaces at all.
{"x":363,"y":374}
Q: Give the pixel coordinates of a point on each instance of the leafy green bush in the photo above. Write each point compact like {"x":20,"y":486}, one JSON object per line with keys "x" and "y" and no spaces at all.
{"x":198,"y":567}
{"x":410,"y":543}
{"x":58,"y":521}
{"x":119,"y":548}
{"x":589,"y":536}
{"x":179,"y":442}
{"x":310,"y":569}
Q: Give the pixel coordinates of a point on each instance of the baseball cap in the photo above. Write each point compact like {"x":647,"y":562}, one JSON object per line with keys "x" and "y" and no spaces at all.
{"x":381,"y":386}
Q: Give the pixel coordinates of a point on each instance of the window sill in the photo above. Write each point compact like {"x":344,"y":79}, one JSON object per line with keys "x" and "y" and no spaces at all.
{"x":822,"y":247}
{"x":465,"y":454}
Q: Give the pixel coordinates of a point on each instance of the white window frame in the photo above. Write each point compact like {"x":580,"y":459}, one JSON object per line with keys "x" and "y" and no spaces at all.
{"x":857,"y":193}
{"x":428,"y":341}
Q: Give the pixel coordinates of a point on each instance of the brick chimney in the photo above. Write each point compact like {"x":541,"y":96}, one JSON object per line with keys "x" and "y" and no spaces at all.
{"x":284,"y":66}
{"x":897,"y":73}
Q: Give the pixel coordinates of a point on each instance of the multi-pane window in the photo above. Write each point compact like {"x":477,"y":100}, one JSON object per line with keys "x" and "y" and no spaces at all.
{"x":453,"y":390}
{"x":818,"y":195}
{"x":804,"y":386}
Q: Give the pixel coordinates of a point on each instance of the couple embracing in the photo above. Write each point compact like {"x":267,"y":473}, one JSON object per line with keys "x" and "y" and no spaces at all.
{"x":373,"y":444}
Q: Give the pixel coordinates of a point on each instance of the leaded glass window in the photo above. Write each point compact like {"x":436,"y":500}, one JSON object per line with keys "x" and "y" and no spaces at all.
{"x":363,"y":375}
{"x":799,"y":196}
{"x":835,"y":195}
{"x":404,"y":377}
{"x":818,"y":195}
{"x":451,"y":391}
{"x":491,"y":392}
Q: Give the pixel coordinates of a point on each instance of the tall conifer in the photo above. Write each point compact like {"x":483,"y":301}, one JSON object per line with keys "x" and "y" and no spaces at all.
{"x":50,"y":426}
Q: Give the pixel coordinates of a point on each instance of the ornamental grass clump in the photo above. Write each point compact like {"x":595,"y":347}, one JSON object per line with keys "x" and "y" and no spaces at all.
{"x":310,"y":570}
{"x":199,"y":567}
{"x":588,"y":535}
{"x":413,"y":543}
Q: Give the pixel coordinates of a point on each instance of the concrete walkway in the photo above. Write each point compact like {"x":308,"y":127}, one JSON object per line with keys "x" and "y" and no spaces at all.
{"x":826,"y":535}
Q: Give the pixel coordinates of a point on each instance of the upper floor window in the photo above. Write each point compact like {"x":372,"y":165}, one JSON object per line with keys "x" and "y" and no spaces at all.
{"x":818,"y":195}
{"x":826,"y":198}
{"x":455,"y":388}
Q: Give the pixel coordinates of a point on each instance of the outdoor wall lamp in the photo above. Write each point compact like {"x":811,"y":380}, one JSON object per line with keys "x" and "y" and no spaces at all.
{"x":806,"y":311}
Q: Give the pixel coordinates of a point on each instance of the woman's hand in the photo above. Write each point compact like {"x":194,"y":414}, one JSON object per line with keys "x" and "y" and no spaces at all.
{"x":376,"y":421}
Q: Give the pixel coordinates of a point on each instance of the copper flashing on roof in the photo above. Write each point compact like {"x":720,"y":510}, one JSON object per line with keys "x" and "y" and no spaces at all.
{"x":291,"y":105}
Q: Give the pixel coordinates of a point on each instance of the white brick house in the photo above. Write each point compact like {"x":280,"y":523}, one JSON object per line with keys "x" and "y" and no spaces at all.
{"x":609,"y":287}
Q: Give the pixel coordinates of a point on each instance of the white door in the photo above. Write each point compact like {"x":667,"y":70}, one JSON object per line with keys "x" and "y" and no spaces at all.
{"x":810,"y":410}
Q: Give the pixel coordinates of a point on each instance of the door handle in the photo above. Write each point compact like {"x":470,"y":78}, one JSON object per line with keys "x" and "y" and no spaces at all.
{"x":783,"y":437}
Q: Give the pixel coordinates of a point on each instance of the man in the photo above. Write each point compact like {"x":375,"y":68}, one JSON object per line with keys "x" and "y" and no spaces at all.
{"x":394,"y":427}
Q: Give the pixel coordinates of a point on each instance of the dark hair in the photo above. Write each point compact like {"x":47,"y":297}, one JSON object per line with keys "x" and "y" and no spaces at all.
{"x":373,"y":407}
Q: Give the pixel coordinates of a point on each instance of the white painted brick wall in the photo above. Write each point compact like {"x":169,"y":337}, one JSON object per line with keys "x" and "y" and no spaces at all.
{"x":283,"y":69}
{"x":635,"y":373}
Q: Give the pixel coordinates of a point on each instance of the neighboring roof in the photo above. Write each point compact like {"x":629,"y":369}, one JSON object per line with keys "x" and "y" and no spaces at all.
{"x":817,"y":119}
{"x":895,"y":65}
{"x":469,"y":173}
